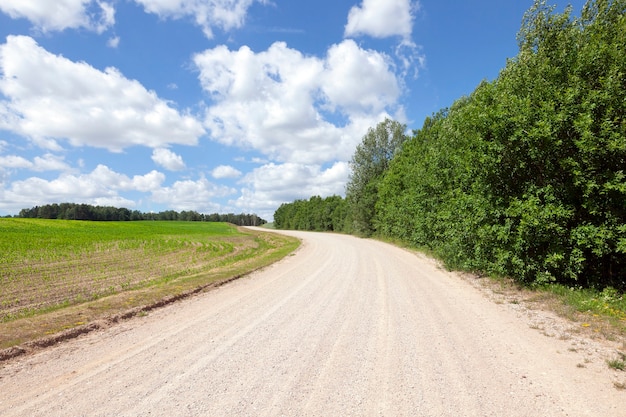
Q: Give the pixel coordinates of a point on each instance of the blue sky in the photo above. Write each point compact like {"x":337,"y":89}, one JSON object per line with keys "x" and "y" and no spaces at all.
{"x":224,"y":105}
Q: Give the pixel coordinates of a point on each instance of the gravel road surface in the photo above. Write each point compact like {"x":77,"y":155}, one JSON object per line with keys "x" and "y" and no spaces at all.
{"x":344,"y":327}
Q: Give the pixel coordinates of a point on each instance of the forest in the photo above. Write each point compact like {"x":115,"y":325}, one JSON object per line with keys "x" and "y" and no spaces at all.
{"x":525,"y":177}
{"x":73,"y":211}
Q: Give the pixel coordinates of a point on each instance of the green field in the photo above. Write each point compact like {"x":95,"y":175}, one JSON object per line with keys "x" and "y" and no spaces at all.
{"x":48,"y":265}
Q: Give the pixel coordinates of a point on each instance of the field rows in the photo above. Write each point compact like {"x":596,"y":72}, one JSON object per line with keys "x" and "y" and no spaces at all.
{"x":45,"y":264}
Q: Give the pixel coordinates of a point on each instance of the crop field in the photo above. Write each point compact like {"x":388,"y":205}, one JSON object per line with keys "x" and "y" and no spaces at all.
{"x":46,"y":265}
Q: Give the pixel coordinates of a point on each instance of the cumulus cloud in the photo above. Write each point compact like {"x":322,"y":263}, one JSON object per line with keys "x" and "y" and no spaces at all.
{"x":47,"y":162}
{"x":208,"y":14}
{"x":192,"y":195}
{"x":102,"y":186}
{"x":14,"y":161}
{"x":359,"y":81}
{"x":225,"y":171}
{"x":58,"y":15}
{"x":49,"y":97}
{"x":148,"y":182}
{"x":104,"y":178}
{"x":382,"y":18}
{"x":293,"y":107}
{"x":50,"y":162}
{"x":168,"y":159}
{"x":273,"y":184}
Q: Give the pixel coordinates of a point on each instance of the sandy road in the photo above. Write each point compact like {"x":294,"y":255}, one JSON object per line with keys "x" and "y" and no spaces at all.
{"x":346,"y":327}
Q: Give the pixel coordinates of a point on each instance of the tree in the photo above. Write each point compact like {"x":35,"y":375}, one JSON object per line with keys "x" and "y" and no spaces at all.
{"x":322,"y":215}
{"x":526,"y":177}
{"x":369,"y":163}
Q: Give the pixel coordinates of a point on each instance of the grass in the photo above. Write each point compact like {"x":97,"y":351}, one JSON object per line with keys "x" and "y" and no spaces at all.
{"x":596,"y":313}
{"x":618,"y":363}
{"x":56,"y":274}
{"x":604,"y":310}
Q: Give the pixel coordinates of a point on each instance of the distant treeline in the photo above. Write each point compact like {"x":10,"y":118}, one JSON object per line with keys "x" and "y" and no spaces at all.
{"x":525,"y":177}
{"x":315,"y":214}
{"x":72,"y":211}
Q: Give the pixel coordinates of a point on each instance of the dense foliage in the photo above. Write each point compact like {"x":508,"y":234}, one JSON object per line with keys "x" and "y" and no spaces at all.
{"x":526,"y":177}
{"x":315,"y":214}
{"x":72,"y":211}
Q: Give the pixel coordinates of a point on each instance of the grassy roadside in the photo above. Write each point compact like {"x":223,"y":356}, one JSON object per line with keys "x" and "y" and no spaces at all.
{"x":196,"y":264}
{"x":600,"y":314}
{"x":599,"y":311}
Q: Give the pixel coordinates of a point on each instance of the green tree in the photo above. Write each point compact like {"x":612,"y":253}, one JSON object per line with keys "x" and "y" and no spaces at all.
{"x":561,"y":140}
{"x":527,"y":176}
{"x":317,"y":214}
{"x":368,"y":165}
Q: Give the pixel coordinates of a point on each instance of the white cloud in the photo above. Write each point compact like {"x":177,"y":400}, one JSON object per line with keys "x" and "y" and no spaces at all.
{"x":411,"y":58}
{"x":148,"y":182}
{"x":168,"y":159}
{"x":99,"y":187}
{"x":382,"y":18}
{"x":223,"y":14}
{"x":13,"y":161}
{"x":103,"y":178}
{"x":103,"y":186}
{"x":293,"y":107}
{"x":360,"y":81}
{"x":51,"y":98}
{"x":50,"y":162}
{"x":225,"y":171}
{"x":47,"y":162}
{"x":192,"y":195}
{"x":269,"y":186}
{"x":58,"y":15}
{"x":113,"y":42}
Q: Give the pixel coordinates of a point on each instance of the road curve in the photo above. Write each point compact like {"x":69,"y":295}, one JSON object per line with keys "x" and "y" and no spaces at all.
{"x":345,"y":327}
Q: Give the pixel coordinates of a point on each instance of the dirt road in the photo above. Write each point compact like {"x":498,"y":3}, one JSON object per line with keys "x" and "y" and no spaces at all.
{"x":345,"y":327}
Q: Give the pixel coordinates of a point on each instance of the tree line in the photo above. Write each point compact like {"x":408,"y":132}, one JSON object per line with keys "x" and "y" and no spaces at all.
{"x":316,"y":214}
{"x":526,"y":176}
{"x":73,"y":211}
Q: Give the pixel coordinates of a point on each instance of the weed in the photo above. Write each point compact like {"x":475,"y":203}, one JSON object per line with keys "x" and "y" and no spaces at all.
{"x":618,"y":363}
{"x":606,"y":303}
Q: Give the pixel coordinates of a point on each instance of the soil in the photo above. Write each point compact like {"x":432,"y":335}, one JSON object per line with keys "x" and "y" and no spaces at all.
{"x":345,"y":326}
